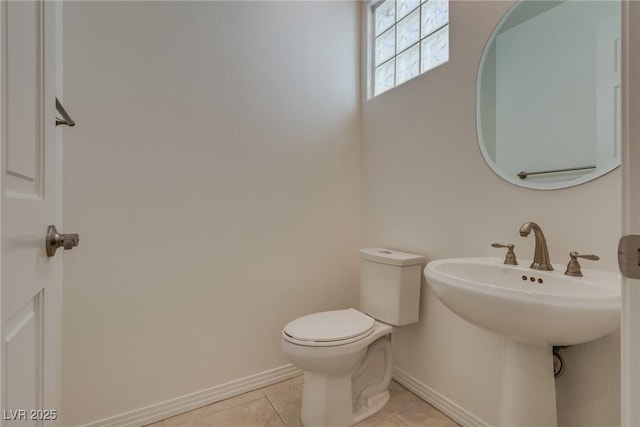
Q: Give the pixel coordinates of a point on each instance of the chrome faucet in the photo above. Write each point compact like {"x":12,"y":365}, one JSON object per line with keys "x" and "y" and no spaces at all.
{"x":541,"y":254}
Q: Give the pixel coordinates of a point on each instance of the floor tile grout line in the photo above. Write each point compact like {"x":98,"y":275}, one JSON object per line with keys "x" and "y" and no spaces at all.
{"x":274,"y":408}
{"x":226,"y":408}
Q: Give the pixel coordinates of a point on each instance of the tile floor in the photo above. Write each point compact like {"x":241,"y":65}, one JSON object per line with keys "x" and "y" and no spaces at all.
{"x":279,"y":405}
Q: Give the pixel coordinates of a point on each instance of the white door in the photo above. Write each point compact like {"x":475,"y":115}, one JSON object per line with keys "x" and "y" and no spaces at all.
{"x":31,"y":282}
{"x":630,"y":322}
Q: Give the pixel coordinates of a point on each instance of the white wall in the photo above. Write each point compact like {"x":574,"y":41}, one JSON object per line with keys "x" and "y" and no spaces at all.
{"x":427,"y":189}
{"x":213,"y":176}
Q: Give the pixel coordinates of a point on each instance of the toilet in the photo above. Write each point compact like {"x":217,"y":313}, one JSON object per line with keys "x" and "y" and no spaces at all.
{"x":346,"y":354}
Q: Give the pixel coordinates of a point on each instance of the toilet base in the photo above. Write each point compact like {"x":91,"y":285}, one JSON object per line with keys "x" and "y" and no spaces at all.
{"x":326,"y":401}
{"x":373,"y":405}
{"x":342,"y":400}
{"x":322,"y":409}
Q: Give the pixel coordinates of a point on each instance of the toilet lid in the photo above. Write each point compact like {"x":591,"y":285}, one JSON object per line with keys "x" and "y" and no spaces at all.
{"x":329,"y":326}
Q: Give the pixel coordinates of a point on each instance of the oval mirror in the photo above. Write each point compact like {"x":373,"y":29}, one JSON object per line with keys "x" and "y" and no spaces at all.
{"x":548,"y":93}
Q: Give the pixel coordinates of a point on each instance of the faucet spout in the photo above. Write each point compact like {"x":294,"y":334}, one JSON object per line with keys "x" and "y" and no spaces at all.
{"x":541,"y":255}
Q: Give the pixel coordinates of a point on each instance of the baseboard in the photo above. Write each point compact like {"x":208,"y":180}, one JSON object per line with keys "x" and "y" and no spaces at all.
{"x":160,"y":411}
{"x":169,"y":408}
{"x":442,"y":403}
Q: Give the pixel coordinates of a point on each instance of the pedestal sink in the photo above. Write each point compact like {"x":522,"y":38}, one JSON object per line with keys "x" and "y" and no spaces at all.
{"x":534,"y":310}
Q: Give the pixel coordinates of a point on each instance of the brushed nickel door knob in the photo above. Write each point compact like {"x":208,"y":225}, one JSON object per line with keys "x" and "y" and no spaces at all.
{"x":55,"y":240}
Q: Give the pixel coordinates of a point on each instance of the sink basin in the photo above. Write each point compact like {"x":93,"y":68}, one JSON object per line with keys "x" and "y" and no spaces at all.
{"x":534,"y":310}
{"x":525,"y":305}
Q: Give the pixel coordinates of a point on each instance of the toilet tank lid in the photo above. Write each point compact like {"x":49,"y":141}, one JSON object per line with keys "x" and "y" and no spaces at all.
{"x":391,"y":257}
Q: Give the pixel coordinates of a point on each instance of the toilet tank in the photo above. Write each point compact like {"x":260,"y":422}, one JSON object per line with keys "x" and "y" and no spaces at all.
{"x":390,"y":285}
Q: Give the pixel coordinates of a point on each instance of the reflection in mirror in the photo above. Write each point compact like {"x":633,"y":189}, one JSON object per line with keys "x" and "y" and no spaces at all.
{"x":548,"y":94}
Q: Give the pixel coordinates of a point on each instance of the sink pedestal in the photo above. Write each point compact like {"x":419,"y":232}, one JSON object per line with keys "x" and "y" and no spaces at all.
{"x":528,"y":393}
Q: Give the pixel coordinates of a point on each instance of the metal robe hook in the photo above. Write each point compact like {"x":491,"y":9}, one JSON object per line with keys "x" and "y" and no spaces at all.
{"x":66,"y":119}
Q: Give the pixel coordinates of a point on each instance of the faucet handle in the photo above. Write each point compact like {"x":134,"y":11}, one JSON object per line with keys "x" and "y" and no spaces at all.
{"x":573,"y":268}
{"x":510,"y":257}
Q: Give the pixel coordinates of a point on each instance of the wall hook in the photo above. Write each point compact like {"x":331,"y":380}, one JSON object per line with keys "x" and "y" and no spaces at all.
{"x":66,"y":119}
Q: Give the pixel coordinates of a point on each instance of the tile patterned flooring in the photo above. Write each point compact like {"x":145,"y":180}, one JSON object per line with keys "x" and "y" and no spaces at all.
{"x":278,"y":405}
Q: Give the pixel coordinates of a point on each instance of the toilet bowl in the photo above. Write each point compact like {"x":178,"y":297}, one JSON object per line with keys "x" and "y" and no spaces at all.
{"x":346,"y":355}
{"x":347,"y":361}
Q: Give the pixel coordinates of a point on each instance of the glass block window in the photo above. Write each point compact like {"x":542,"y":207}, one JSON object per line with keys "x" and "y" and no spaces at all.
{"x":410,"y":37}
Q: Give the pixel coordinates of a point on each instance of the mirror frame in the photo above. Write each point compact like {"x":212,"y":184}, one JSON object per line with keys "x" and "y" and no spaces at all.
{"x":597,"y":173}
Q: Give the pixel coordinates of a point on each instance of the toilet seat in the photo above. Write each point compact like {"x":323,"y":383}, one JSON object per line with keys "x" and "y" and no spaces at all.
{"x":329,"y":328}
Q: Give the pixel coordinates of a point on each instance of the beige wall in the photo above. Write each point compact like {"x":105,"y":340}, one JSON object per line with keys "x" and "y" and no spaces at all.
{"x":427,"y":189}
{"x":213,"y":176}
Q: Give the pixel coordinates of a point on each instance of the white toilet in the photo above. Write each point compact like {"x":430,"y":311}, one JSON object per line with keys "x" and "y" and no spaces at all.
{"x":346,"y":355}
